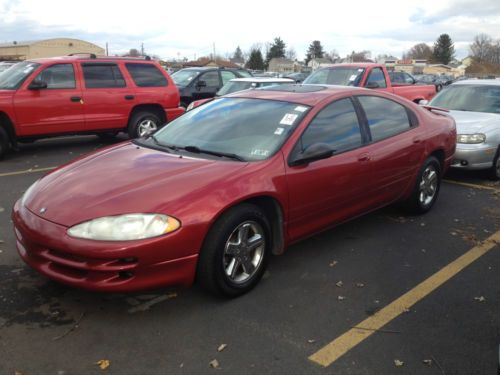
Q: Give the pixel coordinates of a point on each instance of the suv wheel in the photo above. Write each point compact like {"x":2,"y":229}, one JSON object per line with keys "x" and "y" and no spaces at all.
{"x":4,"y":142}
{"x":143,"y":124}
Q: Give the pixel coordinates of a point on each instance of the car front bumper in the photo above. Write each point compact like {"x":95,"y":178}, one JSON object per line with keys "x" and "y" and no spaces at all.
{"x":98,"y":265}
{"x":474,"y":156}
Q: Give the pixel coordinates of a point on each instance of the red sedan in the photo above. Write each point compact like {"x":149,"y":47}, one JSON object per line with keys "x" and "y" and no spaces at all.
{"x":212,"y":195}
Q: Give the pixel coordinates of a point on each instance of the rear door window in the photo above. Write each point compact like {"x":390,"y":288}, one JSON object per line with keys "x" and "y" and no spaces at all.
{"x":102,"y":75}
{"x":146,"y":75}
{"x":60,"y":76}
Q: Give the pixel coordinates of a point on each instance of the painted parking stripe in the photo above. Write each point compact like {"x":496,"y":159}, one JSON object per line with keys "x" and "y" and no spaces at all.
{"x":474,"y":186}
{"x":341,"y":345}
{"x":27,"y":171}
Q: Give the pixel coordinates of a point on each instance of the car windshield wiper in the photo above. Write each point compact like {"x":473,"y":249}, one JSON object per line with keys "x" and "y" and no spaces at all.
{"x":197,"y":150}
{"x":163,"y":145}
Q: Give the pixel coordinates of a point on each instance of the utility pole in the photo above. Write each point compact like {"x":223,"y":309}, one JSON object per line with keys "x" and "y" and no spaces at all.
{"x":107,"y":52}
{"x":215,"y":59}
{"x":142,"y":49}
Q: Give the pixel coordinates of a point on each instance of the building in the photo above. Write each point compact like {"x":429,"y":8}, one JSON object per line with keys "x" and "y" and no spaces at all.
{"x":205,"y":61}
{"x":46,"y":48}
{"x":281,"y":65}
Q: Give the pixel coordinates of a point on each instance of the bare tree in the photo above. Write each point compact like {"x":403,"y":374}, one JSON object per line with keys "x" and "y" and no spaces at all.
{"x":482,"y":49}
{"x":291,"y":54}
{"x":419,"y":51}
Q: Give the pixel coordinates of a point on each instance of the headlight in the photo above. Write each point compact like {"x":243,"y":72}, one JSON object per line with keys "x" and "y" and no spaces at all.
{"x":471,"y":138}
{"x":125,"y":227}
{"x":27,"y":193}
{"x":190,"y":106}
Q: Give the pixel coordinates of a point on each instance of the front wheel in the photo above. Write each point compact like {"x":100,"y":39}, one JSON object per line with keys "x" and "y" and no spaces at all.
{"x":426,"y":188}
{"x":235,"y":252}
{"x":143,"y":124}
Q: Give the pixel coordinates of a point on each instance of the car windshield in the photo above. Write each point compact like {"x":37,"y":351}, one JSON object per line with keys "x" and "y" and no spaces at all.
{"x":250,"y":129}
{"x":13,"y":78}
{"x":343,"y":76}
{"x":184,"y":77}
{"x":474,"y":98}
{"x":233,"y":86}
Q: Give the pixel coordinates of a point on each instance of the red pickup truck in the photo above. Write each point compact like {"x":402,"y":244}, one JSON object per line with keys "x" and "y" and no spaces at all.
{"x":84,"y":94}
{"x":371,"y":76}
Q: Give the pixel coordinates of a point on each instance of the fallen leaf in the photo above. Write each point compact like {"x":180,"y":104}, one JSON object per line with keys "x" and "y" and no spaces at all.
{"x":103,"y":364}
{"x":214,"y":364}
{"x":360,"y":285}
{"x":406,"y":310}
{"x":424,"y":251}
{"x":311,"y":341}
{"x":453,"y":233}
{"x":427,"y":362}
{"x":341,"y":298}
{"x":221,"y":347}
{"x":376,"y":301}
{"x":398,"y":363}
{"x":333,"y":264}
{"x":18,"y":373}
{"x":339,"y":284}
{"x":2,"y":209}
{"x":181,"y":365}
{"x":480,"y":299}
{"x":422,"y":224}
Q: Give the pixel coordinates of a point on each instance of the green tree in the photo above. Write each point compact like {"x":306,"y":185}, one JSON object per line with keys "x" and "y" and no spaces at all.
{"x":237,"y":53}
{"x":255,"y":61}
{"x":315,"y":51}
{"x":444,"y":51}
{"x":277,"y":49}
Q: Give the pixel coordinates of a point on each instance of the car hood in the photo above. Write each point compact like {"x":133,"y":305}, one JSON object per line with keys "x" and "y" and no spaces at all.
{"x":123,"y":179}
{"x":475,"y":122}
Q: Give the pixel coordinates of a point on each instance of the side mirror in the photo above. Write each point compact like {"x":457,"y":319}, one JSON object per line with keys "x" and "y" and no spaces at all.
{"x":201,"y":84}
{"x":37,"y":85}
{"x":423,"y":102}
{"x":316,"y":151}
{"x":372,"y":85}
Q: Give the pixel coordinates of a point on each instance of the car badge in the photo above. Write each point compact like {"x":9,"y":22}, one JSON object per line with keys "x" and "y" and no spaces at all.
{"x":43,"y":210}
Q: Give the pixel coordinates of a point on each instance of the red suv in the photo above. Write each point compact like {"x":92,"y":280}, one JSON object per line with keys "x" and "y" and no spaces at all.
{"x":84,"y":95}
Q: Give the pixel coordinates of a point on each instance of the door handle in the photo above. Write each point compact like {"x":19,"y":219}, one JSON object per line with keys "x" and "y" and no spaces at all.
{"x":75,"y":98}
{"x":417,"y":140}
{"x":364,"y":157}
{"x":129,"y":97}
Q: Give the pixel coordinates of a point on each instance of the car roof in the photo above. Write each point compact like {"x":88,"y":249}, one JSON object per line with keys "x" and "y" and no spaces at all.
{"x":85,"y":58}
{"x":494,"y":82}
{"x":261,"y":79}
{"x":309,"y":95}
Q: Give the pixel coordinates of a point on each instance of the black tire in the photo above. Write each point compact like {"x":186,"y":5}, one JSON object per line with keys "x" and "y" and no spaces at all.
{"x":214,"y":260}
{"x":4,"y":142}
{"x":138,"y":120}
{"x":495,"y":169}
{"x":425,"y":191}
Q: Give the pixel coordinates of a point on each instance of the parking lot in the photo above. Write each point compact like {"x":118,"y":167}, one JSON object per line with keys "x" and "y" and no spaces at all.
{"x":383,"y":294}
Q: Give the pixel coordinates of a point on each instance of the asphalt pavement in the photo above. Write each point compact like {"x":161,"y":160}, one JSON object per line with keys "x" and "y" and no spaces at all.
{"x":384,"y":294}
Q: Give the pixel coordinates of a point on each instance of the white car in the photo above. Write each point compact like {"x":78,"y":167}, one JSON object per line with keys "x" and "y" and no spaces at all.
{"x":475,"y":106}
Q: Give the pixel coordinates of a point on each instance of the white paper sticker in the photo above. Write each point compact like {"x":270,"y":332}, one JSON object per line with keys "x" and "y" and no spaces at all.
{"x":353,"y":77}
{"x":259,"y":152}
{"x":279,"y":131}
{"x":300,"y":109}
{"x":288,"y":119}
{"x":360,"y":70}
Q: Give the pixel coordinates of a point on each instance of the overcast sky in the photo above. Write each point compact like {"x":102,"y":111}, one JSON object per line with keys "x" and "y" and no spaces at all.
{"x":174,"y":29}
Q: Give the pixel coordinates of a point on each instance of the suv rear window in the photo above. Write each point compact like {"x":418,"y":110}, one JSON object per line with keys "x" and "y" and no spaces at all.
{"x":102,"y":75}
{"x":146,"y":75}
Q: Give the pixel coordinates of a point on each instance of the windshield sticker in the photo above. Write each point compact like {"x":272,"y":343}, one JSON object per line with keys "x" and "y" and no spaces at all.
{"x":258,"y":152}
{"x":279,"y":131}
{"x":300,"y":109}
{"x":288,"y":119}
{"x":353,"y":77}
{"x":360,"y":70}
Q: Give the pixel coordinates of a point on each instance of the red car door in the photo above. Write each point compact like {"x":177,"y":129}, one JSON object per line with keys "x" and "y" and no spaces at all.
{"x":107,"y":97}
{"x":395,"y":149}
{"x":56,"y":108}
{"x":330,"y":190}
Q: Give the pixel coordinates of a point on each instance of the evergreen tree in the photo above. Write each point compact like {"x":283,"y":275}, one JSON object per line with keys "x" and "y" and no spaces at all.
{"x":315,"y":51}
{"x":255,"y":61}
{"x":277,"y":49}
{"x":238,"y":54}
{"x":444,"y":51}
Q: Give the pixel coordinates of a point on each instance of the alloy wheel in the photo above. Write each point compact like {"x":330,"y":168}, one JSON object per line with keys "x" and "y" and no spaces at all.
{"x":428,"y":185}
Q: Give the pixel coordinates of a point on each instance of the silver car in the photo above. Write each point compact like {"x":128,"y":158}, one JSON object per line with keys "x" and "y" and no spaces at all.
{"x":475,"y":106}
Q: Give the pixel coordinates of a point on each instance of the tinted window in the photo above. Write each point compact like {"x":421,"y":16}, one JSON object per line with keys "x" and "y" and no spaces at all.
{"x":102,"y":75}
{"x":385,"y":117}
{"x":377,"y":76}
{"x":146,"y":75}
{"x":60,"y":76}
{"x":211,"y":78}
{"x":337,"y":125}
{"x":226,"y":76}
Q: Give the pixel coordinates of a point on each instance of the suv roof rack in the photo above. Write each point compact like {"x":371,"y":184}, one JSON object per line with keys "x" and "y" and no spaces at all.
{"x":85,"y":55}
{"x":91,"y":55}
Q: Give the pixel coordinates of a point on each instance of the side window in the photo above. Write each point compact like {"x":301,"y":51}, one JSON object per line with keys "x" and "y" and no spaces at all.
{"x":146,"y":75}
{"x":102,"y":76}
{"x":385,"y":117}
{"x":337,"y":125}
{"x":409,"y":79}
{"x":211,"y":78}
{"x":60,"y":76}
{"x":226,"y":76}
{"x":377,"y":76}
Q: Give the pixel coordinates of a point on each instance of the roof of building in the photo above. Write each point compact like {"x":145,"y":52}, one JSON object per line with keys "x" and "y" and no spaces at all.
{"x":204,"y":61}
{"x":281,"y":60}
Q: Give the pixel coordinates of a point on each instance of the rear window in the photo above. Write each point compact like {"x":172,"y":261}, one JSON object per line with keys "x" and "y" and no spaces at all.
{"x":146,"y":75}
{"x":102,"y":76}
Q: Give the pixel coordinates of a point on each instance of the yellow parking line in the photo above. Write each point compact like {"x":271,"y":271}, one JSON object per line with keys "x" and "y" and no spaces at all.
{"x":341,"y":345}
{"x":474,"y":186}
{"x":31,"y":170}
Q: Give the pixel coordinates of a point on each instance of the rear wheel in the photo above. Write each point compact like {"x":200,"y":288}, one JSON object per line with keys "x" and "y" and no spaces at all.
{"x":4,"y":142}
{"x":426,"y":188}
{"x":495,"y":169}
{"x":143,"y":124}
{"x":235,"y":253}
